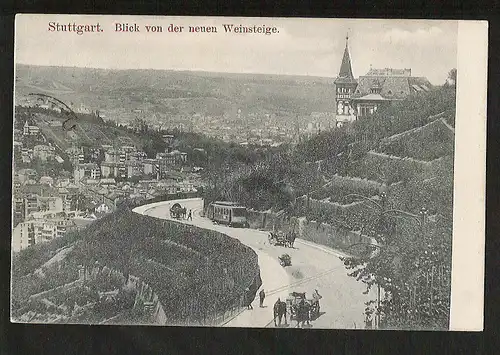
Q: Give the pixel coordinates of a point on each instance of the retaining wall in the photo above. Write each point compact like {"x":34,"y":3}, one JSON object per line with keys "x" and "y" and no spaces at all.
{"x":313,"y":231}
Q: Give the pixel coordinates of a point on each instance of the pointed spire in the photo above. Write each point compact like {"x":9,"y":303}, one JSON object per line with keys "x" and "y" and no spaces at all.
{"x":345,"y":67}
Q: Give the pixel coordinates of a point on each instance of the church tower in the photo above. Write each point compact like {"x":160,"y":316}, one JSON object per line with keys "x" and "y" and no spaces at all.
{"x":345,"y":84}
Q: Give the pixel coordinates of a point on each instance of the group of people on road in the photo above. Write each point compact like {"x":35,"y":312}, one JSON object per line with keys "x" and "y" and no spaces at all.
{"x":301,"y":310}
{"x":189,"y":214}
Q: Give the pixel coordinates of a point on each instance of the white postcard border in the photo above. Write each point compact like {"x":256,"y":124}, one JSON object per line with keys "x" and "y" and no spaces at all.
{"x":467,"y":287}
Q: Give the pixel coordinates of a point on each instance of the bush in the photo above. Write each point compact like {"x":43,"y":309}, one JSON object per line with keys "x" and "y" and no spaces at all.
{"x":428,"y":143}
{"x":414,"y":111}
{"x":28,"y":260}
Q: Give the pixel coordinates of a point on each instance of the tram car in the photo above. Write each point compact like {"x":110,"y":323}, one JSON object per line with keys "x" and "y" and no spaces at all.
{"x":229,"y":213}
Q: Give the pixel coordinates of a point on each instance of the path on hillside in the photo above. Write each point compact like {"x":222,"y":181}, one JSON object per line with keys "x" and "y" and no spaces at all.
{"x":448,"y":125}
{"x":313,"y":267}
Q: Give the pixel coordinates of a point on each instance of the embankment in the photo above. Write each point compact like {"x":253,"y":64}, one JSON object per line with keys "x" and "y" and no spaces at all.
{"x":198,"y":275}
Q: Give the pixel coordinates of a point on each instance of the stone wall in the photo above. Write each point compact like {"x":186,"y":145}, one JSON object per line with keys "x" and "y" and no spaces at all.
{"x":320,"y":233}
{"x":146,"y":300}
{"x":328,"y":235}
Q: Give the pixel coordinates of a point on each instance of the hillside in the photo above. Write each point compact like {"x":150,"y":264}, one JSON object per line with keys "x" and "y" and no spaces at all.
{"x":188,"y":268}
{"x":388,"y":177}
{"x":398,"y":144}
{"x":117,"y":93}
{"x":92,"y":132}
{"x":402,"y":158}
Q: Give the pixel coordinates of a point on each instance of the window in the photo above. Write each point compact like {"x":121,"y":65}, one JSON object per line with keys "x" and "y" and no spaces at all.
{"x":364,"y":111}
{"x":239,"y":212}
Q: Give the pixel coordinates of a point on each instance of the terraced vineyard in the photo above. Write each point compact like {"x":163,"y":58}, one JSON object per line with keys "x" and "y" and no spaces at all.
{"x":388,"y":177}
{"x":195,"y":273}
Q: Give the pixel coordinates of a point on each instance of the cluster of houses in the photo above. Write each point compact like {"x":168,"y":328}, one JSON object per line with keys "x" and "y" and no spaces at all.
{"x":45,"y":208}
{"x":124,"y":162}
{"x":27,"y":153}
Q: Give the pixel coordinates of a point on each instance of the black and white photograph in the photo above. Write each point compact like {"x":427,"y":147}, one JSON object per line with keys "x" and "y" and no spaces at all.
{"x":248,"y":172}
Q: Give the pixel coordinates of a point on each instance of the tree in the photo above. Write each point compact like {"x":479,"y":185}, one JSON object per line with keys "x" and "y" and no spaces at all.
{"x":451,"y":80}
{"x":411,"y":263}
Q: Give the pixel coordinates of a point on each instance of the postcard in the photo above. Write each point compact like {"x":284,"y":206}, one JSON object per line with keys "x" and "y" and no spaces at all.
{"x":249,"y":172}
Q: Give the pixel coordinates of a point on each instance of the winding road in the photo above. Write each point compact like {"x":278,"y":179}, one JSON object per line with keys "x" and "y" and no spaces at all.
{"x":313,"y":267}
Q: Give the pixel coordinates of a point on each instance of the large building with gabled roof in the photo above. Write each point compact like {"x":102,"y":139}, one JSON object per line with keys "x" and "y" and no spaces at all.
{"x":361,"y":97}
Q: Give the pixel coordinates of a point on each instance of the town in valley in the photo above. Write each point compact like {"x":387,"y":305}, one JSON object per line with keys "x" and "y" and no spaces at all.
{"x":269,"y":200}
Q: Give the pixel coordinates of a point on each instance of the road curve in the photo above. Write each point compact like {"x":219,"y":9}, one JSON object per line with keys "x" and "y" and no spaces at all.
{"x":313,"y":267}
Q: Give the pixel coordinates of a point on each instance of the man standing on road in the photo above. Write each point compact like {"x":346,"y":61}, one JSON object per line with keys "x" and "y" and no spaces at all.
{"x":190,"y":216}
{"x":262,"y":295}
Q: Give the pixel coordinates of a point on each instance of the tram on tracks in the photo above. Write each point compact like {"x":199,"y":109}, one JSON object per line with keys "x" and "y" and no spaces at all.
{"x":230,"y":213}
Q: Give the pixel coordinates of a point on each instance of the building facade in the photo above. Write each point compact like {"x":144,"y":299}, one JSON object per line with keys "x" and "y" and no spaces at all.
{"x":380,"y":87}
{"x":44,"y":152}
{"x":76,"y":155}
{"x":87,"y":170}
{"x":30,"y":130}
{"x":36,"y":231}
{"x":364,"y":96}
{"x":345,"y":84}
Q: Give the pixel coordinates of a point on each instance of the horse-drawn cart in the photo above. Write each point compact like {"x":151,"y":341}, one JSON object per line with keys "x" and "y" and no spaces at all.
{"x":281,"y":238}
{"x":176,"y":211}
{"x":285,"y":260}
{"x":277,"y":238}
{"x":310,"y":306}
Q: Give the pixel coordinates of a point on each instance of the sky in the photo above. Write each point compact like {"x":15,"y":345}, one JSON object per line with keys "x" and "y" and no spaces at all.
{"x":302,"y":47}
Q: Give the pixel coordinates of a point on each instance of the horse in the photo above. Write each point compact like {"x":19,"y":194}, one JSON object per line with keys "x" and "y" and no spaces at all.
{"x":290,"y":239}
{"x":183,"y":212}
{"x":279,"y":310}
{"x":302,"y":311}
{"x":271,"y":237}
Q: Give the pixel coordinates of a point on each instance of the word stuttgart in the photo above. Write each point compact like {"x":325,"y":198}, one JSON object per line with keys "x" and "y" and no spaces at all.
{"x":250,"y":29}
{"x":72,"y":27}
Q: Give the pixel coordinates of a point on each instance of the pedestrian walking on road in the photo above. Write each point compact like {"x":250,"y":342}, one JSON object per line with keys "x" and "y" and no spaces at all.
{"x":262,"y":295}
{"x":190,"y":216}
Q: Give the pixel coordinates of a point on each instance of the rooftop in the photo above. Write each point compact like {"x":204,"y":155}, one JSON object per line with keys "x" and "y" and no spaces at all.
{"x":389,"y":72}
{"x":345,"y":72}
{"x":392,"y":87}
